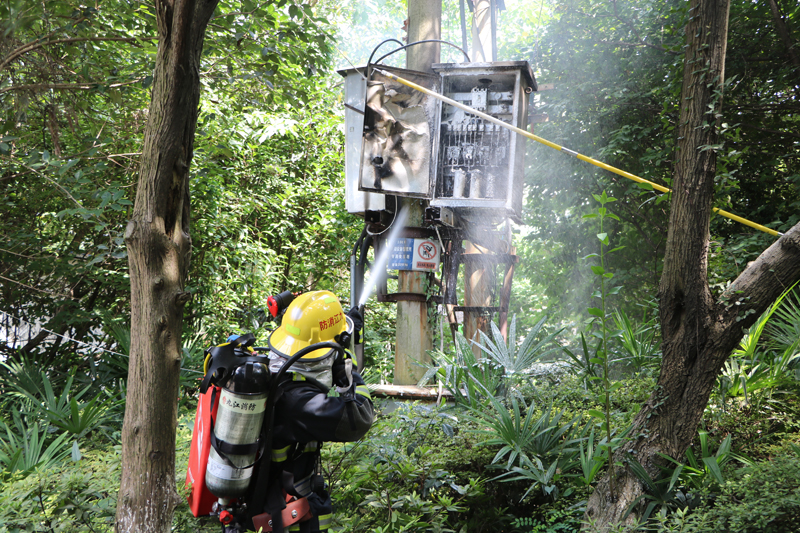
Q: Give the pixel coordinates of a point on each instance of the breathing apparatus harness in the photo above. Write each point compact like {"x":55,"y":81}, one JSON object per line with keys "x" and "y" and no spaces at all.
{"x":231,"y":457}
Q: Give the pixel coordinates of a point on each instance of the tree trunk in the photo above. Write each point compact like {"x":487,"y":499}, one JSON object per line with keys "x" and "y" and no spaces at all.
{"x":698,"y":332}
{"x":159,"y":246}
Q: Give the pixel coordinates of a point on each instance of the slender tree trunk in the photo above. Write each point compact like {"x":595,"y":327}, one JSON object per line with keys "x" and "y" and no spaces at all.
{"x":159,"y":246}
{"x":785,"y":33}
{"x":698,"y":331}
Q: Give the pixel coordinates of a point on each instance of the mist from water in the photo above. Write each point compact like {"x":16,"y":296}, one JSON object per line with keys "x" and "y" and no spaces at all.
{"x":378,"y":270}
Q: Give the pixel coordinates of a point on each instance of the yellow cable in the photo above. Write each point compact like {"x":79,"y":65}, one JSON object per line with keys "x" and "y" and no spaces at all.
{"x":554,"y":146}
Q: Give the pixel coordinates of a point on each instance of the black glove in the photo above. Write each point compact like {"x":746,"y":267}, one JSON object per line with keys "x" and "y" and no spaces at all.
{"x":358,"y":324}
{"x":339,"y":371}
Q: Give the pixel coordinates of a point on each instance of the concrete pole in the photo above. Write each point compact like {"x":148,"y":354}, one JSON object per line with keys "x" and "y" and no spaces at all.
{"x":424,"y":22}
{"x":482,"y":32}
{"x":414,"y":333}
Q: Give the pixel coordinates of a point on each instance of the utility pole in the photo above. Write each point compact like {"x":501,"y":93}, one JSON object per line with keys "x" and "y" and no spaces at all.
{"x":484,"y":24}
{"x":414,"y":333}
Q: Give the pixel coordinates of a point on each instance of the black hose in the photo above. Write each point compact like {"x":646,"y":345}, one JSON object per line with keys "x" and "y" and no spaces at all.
{"x":357,"y":245}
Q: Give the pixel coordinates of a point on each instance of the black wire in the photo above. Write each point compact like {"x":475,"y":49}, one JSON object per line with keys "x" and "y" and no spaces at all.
{"x":413,"y":44}
{"x":369,"y":61}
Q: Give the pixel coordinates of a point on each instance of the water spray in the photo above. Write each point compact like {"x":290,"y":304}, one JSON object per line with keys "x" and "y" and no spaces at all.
{"x":554,"y":146}
{"x":378,"y":270}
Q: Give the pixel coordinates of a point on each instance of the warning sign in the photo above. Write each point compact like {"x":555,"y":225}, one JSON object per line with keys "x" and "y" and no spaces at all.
{"x":415,"y":254}
{"x":426,"y":256}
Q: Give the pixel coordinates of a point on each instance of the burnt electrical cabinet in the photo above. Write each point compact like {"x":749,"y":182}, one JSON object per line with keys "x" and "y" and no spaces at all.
{"x":479,"y":165}
{"x":399,"y":129}
{"x":402,"y":142}
{"x":357,"y":202}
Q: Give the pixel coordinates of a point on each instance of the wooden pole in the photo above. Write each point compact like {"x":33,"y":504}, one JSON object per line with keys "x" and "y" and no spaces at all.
{"x":477,"y":285}
{"x":477,"y":293}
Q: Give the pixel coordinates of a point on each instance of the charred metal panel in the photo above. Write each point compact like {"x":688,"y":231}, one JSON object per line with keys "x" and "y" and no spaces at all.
{"x":479,"y":167}
{"x":399,"y":128}
{"x":355,"y":88}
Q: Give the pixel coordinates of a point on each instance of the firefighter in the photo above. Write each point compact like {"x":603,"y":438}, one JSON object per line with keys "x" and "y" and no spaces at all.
{"x":305,"y":414}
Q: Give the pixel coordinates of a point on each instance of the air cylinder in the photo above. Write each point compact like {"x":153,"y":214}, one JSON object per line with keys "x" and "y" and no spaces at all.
{"x":237,"y":428}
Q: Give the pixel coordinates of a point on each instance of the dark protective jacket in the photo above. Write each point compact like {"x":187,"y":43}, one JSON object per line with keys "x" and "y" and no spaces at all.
{"x":305,"y":417}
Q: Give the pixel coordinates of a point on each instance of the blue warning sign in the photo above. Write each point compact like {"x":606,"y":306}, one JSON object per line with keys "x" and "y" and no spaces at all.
{"x":402,"y":254}
{"x":415,"y":254}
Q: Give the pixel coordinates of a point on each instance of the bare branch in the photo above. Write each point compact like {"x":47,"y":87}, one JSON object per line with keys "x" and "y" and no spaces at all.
{"x":640,"y":45}
{"x":29,"y":47}
{"x":67,"y":86}
{"x":35,"y":289}
{"x":767,"y":130}
{"x":783,"y":30}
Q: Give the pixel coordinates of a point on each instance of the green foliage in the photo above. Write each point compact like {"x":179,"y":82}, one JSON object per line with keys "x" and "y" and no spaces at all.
{"x":592,"y":458}
{"x":764,"y":497}
{"x":524,"y":440}
{"x":663,"y":494}
{"x":468,"y":378}
{"x":508,"y":365}
{"x":64,"y":410}
{"x":639,"y":343}
{"x":81,"y":499}
{"x":603,"y":358}
{"x":584,"y":364}
{"x":416,"y":472}
{"x":756,"y":369}
{"x":557,"y":520}
{"x":515,"y":360}
{"x":379,"y":335}
{"x":82,"y":496}
{"x":757,"y":433}
{"x":784,"y":326}
{"x":707,"y":473}
{"x":69,"y":159}
{"x":24,"y":448}
{"x":615,"y":70}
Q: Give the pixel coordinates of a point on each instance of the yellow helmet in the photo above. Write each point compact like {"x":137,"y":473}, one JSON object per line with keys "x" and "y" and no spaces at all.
{"x":312,"y":317}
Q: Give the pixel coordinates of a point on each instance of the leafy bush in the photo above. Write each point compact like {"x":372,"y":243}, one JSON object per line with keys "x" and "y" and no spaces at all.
{"x":639,"y":343}
{"x":25,"y":448}
{"x":554,"y":521}
{"x":68,"y":497}
{"x":506,"y":366}
{"x":758,"y":367}
{"x":419,"y":470}
{"x":539,"y":450}
{"x":763,"y":498}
